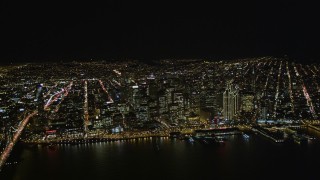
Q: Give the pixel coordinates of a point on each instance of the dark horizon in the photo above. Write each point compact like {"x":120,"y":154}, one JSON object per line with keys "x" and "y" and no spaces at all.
{"x":41,"y":32}
{"x":151,"y":60}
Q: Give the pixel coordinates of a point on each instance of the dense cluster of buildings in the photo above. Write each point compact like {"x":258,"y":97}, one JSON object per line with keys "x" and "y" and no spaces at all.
{"x":111,"y":97}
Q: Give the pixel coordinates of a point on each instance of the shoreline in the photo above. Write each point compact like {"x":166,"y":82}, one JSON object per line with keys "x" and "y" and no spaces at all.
{"x":88,"y":140}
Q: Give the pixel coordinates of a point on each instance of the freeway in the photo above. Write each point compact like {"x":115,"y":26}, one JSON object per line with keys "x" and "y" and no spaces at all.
{"x":110,"y":100}
{"x":67,"y":90}
{"x":5,"y":154}
{"x":85,"y":107}
{"x":51,"y":89}
{"x":58,"y":94}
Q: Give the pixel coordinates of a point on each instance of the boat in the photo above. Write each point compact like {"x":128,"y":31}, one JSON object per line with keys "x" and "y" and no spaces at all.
{"x":246,"y":136}
{"x":210,"y":140}
{"x":190,"y":139}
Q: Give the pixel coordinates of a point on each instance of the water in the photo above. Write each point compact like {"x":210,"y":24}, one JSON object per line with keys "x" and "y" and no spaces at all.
{"x":163,"y":158}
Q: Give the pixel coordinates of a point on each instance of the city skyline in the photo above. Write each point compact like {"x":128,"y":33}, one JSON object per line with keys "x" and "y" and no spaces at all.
{"x":196,"y":101}
{"x":159,"y":90}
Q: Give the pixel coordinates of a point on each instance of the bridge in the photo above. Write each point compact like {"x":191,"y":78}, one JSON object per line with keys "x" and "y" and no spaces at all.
{"x":5,"y":154}
{"x":313,"y":127}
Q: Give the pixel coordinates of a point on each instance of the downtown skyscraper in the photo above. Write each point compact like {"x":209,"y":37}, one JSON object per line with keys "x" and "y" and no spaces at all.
{"x":230,"y":102}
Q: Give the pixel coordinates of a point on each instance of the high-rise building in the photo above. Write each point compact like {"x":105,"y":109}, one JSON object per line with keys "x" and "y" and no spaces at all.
{"x":194,"y":102}
{"x":230,"y":102}
{"x":152,"y":88}
{"x":247,"y":103}
{"x":264,"y":113}
{"x":178,"y":99}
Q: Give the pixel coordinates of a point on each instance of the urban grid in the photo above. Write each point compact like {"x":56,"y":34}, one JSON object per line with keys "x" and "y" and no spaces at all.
{"x":92,"y":101}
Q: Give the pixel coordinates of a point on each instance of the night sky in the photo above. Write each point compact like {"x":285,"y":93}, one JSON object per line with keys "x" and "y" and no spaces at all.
{"x":54,"y":31}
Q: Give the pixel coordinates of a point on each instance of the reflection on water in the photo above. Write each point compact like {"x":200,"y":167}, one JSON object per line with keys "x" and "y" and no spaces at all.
{"x":164,"y":158}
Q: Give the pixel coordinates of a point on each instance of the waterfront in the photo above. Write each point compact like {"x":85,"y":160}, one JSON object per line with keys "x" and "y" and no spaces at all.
{"x":104,"y":125}
{"x":163,"y":158}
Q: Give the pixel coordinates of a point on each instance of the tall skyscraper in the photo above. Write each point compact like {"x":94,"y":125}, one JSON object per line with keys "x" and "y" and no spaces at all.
{"x":230,"y":102}
{"x":247,"y":102}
